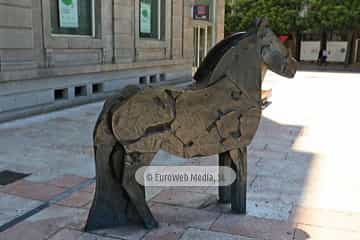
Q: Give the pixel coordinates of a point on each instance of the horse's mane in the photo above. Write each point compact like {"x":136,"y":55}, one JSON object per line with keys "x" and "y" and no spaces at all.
{"x":215,"y":54}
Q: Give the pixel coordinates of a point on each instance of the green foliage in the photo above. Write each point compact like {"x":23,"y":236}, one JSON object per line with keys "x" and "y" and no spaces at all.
{"x":67,"y":2}
{"x":285,"y":15}
{"x":341,"y":15}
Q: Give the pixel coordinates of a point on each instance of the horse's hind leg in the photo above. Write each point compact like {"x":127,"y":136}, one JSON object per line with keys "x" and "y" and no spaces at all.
{"x":238,"y":187}
{"x":108,"y":206}
{"x":136,"y":191}
{"x":111,"y":206}
{"x":225,"y":191}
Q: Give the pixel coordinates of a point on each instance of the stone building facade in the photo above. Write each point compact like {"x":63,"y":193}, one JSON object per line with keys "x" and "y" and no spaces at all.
{"x":59,"y":53}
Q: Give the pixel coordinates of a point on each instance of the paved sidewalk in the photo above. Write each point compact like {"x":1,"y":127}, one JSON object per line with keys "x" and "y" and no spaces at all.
{"x":303,"y":169}
{"x":330,"y":67}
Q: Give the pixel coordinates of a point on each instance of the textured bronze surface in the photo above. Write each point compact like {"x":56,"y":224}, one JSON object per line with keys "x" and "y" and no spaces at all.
{"x":219,"y":114}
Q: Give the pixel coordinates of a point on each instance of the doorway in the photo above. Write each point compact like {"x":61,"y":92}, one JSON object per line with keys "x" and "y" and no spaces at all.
{"x":357,"y":51}
{"x":203,"y":41}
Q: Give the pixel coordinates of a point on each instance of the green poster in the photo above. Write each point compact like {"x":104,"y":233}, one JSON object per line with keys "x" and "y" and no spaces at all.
{"x":145,"y":18}
{"x":68,"y":13}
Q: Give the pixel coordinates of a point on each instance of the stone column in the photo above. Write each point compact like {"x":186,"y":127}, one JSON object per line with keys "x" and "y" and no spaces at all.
{"x":220,"y":19}
{"x":177,"y":29}
{"x":123,"y":21}
{"x":188,"y":48}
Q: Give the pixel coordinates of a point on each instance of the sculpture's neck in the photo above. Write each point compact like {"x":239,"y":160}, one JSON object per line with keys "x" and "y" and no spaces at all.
{"x":263,"y":71}
{"x":241,"y":62}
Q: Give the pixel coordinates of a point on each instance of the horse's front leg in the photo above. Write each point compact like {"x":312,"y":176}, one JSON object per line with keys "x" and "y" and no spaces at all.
{"x":238,"y":187}
{"x":225,"y":191}
{"x":236,"y":192}
{"x":136,"y":191}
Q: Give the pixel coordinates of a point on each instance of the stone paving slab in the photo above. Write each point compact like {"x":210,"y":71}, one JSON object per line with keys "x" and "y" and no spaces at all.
{"x":308,"y":232}
{"x":77,"y":200}
{"x":253,"y":227}
{"x":262,"y":205}
{"x":57,"y":143}
{"x":65,"y":215}
{"x":196,"y":234}
{"x":165,"y":232}
{"x":269,"y":184}
{"x":87,"y":236}
{"x":13,"y":206}
{"x":123,"y":232}
{"x":265,"y":207}
{"x":67,"y":181}
{"x":90,"y":188}
{"x":303,"y":141}
{"x":185,"y":198}
{"x":69,"y":234}
{"x":44,"y":219}
{"x":33,"y":190}
{"x":66,"y":234}
{"x":184,"y":217}
{"x":30,"y":231}
{"x":45,"y":224}
{"x":285,"y":169}
{"x":327,"y":219}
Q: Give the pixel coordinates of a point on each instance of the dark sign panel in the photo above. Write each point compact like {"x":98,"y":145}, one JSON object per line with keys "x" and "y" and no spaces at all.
{"x":201,"y":12}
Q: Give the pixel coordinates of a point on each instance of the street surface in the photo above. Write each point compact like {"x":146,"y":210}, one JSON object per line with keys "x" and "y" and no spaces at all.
{"x":303,"y":166}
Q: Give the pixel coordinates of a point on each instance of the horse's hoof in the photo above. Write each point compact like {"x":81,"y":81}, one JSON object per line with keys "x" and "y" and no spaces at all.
{"x":151,"y":224}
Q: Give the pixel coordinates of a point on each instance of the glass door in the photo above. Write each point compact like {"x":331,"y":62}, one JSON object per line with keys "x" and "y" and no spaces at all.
{"x":202,"y":43}
{"x":357,"y":51}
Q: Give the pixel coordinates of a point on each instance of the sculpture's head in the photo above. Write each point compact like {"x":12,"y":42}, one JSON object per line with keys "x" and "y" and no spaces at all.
{"x":274,"y":55}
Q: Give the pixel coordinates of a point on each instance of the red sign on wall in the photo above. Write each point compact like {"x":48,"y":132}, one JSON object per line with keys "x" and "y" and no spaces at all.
{"x":201,"y":12}
{"x":283,"y":38}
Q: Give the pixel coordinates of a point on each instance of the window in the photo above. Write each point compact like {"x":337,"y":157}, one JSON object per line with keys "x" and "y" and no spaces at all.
{"x":142,"y":80}
{"x":203,"y":10}
{"x":162,"y":77}
{"x":153,"y":79}
{"x":336,"y":36}
{"x":151,"y":19}
{"x":97,"y":88}
{"x":80,"y":91}
{"x":61,"y":94}
{"x":72,"y":17}
{"x":311,"y":37}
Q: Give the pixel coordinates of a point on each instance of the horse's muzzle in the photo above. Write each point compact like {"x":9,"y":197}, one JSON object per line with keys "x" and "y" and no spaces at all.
{"x":290,"y":68}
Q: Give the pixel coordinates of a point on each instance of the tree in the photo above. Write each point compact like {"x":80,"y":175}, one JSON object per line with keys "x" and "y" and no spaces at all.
{"x":293,"y":16}
{"x":330,"y":15}
{"x":283,"y":15}
{"x":334,"y":15}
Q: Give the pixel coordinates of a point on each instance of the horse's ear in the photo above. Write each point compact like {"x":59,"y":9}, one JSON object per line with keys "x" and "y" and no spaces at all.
{"x":254,"y":26}
{"x":257,"y":22}
{"x":262,"y":23}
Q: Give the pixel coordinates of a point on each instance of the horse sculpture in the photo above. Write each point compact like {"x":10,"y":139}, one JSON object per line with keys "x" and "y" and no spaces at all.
{"x":218,"y":114}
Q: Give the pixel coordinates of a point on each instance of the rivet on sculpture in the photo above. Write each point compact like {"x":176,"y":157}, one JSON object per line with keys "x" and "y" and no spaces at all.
{"x":218,"y":114}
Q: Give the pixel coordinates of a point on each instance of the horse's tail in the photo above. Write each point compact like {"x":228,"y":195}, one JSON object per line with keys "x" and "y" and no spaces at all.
{"x":109,"y":205}
{"x":103,"y":131}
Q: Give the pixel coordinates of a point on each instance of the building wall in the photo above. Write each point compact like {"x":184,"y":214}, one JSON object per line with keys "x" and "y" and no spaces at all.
{"x":337,"y":44}
{"x":220,"y":19}
{"x":35,"y":65}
